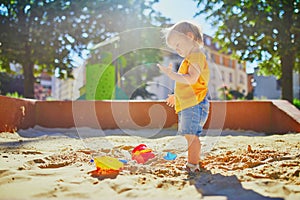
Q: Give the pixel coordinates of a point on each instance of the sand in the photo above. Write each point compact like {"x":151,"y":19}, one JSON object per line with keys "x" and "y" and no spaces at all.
{"x":44,"y":163}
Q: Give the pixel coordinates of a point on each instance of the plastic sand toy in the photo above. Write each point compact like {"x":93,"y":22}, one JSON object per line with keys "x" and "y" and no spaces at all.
{"x":142,"y":154}
{"x":107,"y":165}
{"x":170,"y":156}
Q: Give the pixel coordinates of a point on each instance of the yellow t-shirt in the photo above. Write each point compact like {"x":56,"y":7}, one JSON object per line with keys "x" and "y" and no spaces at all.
{"x":189,"y":95}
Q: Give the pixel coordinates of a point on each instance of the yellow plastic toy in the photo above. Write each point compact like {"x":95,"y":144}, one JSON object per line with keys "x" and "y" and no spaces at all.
{"x":106,"y":164}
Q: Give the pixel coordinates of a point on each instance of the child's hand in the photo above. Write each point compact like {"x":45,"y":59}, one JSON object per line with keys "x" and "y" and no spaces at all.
{"x":171,"y":100}
{"x":167,"y":70}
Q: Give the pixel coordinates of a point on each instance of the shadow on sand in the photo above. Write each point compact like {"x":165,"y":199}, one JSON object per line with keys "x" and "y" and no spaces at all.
{"x":219,"y":187}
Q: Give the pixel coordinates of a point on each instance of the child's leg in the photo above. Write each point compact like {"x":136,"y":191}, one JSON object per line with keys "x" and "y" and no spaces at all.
{"x":194,"y":147}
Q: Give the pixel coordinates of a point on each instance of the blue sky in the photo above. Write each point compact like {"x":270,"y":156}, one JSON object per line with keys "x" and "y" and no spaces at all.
{"x":178,"y":10}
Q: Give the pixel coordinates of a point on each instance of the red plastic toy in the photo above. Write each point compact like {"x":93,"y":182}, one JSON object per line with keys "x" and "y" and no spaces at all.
{"x":142,"y":154}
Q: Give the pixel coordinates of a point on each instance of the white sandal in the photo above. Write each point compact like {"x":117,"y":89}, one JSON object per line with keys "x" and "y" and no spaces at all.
{"x":192,"y":168}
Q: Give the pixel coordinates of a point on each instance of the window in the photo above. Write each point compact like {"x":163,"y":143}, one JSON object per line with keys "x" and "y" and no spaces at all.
{"x":230,"y":77}
{"x":240,"y":66}
{"x":214,"y":91}
{"x":208,"y":41}
{"x":242,"y":79}
{"x":213,"y":74}
{"x":221,"y":60}
{"x":213,"y":57}
{"x":223,"y":75}
{"x":206,"y":53}
{"x":230,"y":63}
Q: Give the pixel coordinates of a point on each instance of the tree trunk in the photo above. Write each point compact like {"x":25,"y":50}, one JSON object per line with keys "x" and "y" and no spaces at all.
{"x":28,"y":80}
{"x":287,"y":63}
{"x":287,"y":52}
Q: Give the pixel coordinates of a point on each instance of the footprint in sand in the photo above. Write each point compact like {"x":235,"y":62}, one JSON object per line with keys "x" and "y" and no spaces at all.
{"x":31,"y":164}
{"x":58,"y":160}
{"x":5,"y":172}
{"x":7,"y":176}
{"x":165,"y":184}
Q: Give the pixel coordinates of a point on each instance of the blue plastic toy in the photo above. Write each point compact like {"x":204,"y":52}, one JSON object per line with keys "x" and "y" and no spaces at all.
{"x":170,"y":156}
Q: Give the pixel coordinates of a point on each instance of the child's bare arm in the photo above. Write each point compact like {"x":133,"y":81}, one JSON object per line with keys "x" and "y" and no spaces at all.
{"x":190,"y":78}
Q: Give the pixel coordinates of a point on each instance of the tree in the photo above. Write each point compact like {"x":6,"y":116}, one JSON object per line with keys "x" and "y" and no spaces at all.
{"x":45,"y":35}
{"x":265,"y":31}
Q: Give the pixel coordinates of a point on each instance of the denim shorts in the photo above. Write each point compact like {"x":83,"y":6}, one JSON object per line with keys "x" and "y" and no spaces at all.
{"x":191,"y":120}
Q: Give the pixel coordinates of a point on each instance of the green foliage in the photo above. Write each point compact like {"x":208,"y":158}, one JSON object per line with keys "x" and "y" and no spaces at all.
{"x":264,"y":31}
{"x":270,"y":67}
{"x":14,"y":94}
{"x":296,"y":103}
{"x":224,"y":93}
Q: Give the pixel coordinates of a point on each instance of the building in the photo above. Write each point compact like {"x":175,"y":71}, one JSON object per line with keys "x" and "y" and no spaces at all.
{"x":268,"y":87}
{"x":265,"y":87}
{"x":43,"y":87}
{"x":68,"y":89}
{"x":225,"y":71}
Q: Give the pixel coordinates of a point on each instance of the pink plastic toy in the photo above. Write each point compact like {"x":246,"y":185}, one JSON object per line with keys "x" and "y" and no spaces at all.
{"x":142,"y":154}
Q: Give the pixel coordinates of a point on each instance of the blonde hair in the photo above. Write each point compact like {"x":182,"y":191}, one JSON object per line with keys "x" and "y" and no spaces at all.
{"x":185,"y":27}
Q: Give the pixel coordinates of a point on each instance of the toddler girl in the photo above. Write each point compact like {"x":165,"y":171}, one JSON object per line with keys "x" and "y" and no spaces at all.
{"x":191,"y":86}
